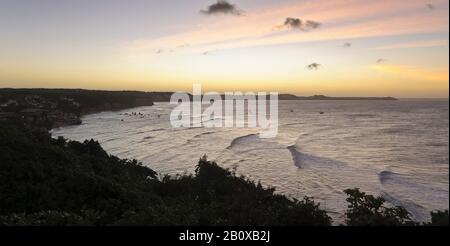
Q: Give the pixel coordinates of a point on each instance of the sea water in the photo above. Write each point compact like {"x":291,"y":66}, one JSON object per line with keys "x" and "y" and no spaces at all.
{"x":396,"y":149}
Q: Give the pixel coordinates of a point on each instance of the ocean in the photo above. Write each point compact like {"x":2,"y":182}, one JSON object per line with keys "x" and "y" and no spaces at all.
{"x":396,"y":149}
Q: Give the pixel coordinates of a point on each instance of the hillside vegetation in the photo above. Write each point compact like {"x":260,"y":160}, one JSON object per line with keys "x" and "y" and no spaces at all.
{"x":46,"y":181}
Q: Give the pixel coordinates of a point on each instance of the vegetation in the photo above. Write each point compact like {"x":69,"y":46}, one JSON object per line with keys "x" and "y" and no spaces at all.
{"x":439,"y":218}
{"x":366,"y":210}
{"x":46,"y":181}
{"x":76,"y":101}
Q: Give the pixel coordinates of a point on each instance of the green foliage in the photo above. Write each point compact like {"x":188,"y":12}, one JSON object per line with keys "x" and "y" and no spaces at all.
{"x":367,"y":210}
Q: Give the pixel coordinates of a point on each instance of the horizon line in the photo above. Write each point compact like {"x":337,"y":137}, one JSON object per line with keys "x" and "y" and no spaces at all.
{"x":160,"y":91}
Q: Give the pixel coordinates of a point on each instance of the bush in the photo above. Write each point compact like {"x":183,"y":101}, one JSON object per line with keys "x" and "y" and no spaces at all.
{"x":439,"y":218}
{"x":367,"y":210}
{"x":45,"y":181}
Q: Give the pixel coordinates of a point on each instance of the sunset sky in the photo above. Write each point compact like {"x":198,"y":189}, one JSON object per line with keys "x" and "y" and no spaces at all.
{"x":353,"y":47}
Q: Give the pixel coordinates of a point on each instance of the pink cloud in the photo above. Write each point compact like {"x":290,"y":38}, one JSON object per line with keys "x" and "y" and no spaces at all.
{"x":341,"y":19}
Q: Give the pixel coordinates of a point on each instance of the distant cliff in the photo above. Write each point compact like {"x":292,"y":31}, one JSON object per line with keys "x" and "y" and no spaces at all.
{"x":165,"y":97}
{"x":322,"y":97}
{"x":58,"y":107}
{"x":52,"y":108}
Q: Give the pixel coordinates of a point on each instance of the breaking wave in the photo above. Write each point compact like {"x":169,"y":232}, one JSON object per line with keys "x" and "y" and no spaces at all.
{"x":296,"y":155}
{"x":241,"y":139}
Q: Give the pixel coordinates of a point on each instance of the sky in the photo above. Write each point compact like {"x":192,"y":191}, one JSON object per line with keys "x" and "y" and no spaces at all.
{"x":305,"y":47}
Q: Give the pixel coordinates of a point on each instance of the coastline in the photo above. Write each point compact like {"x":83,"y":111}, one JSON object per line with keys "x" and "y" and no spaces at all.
{"x":310,"y":155}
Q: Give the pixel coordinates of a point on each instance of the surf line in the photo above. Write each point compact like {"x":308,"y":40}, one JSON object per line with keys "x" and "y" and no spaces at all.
{"x":234,"y":109}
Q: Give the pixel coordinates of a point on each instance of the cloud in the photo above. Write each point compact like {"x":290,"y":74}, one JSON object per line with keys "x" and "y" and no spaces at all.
{"x":293,"y":22}
{"x":170,"y":50}
{"x":347,"y":45}
{"x":313,"y":66}
{"x":424,"y":74}
{"x":160,"y":51}
{"x":210,"y":52}
{"x":312,"y":24}
{"x":222,"y":7}
{"x":430,"y":6}
{"x":390,"y":19}
{"x":415,"y":44}
{"x":296,"y":23}
{"x":381,"y":60}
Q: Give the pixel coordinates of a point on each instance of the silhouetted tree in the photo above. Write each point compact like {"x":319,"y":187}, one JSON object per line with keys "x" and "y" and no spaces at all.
{"x":367,"y":210}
